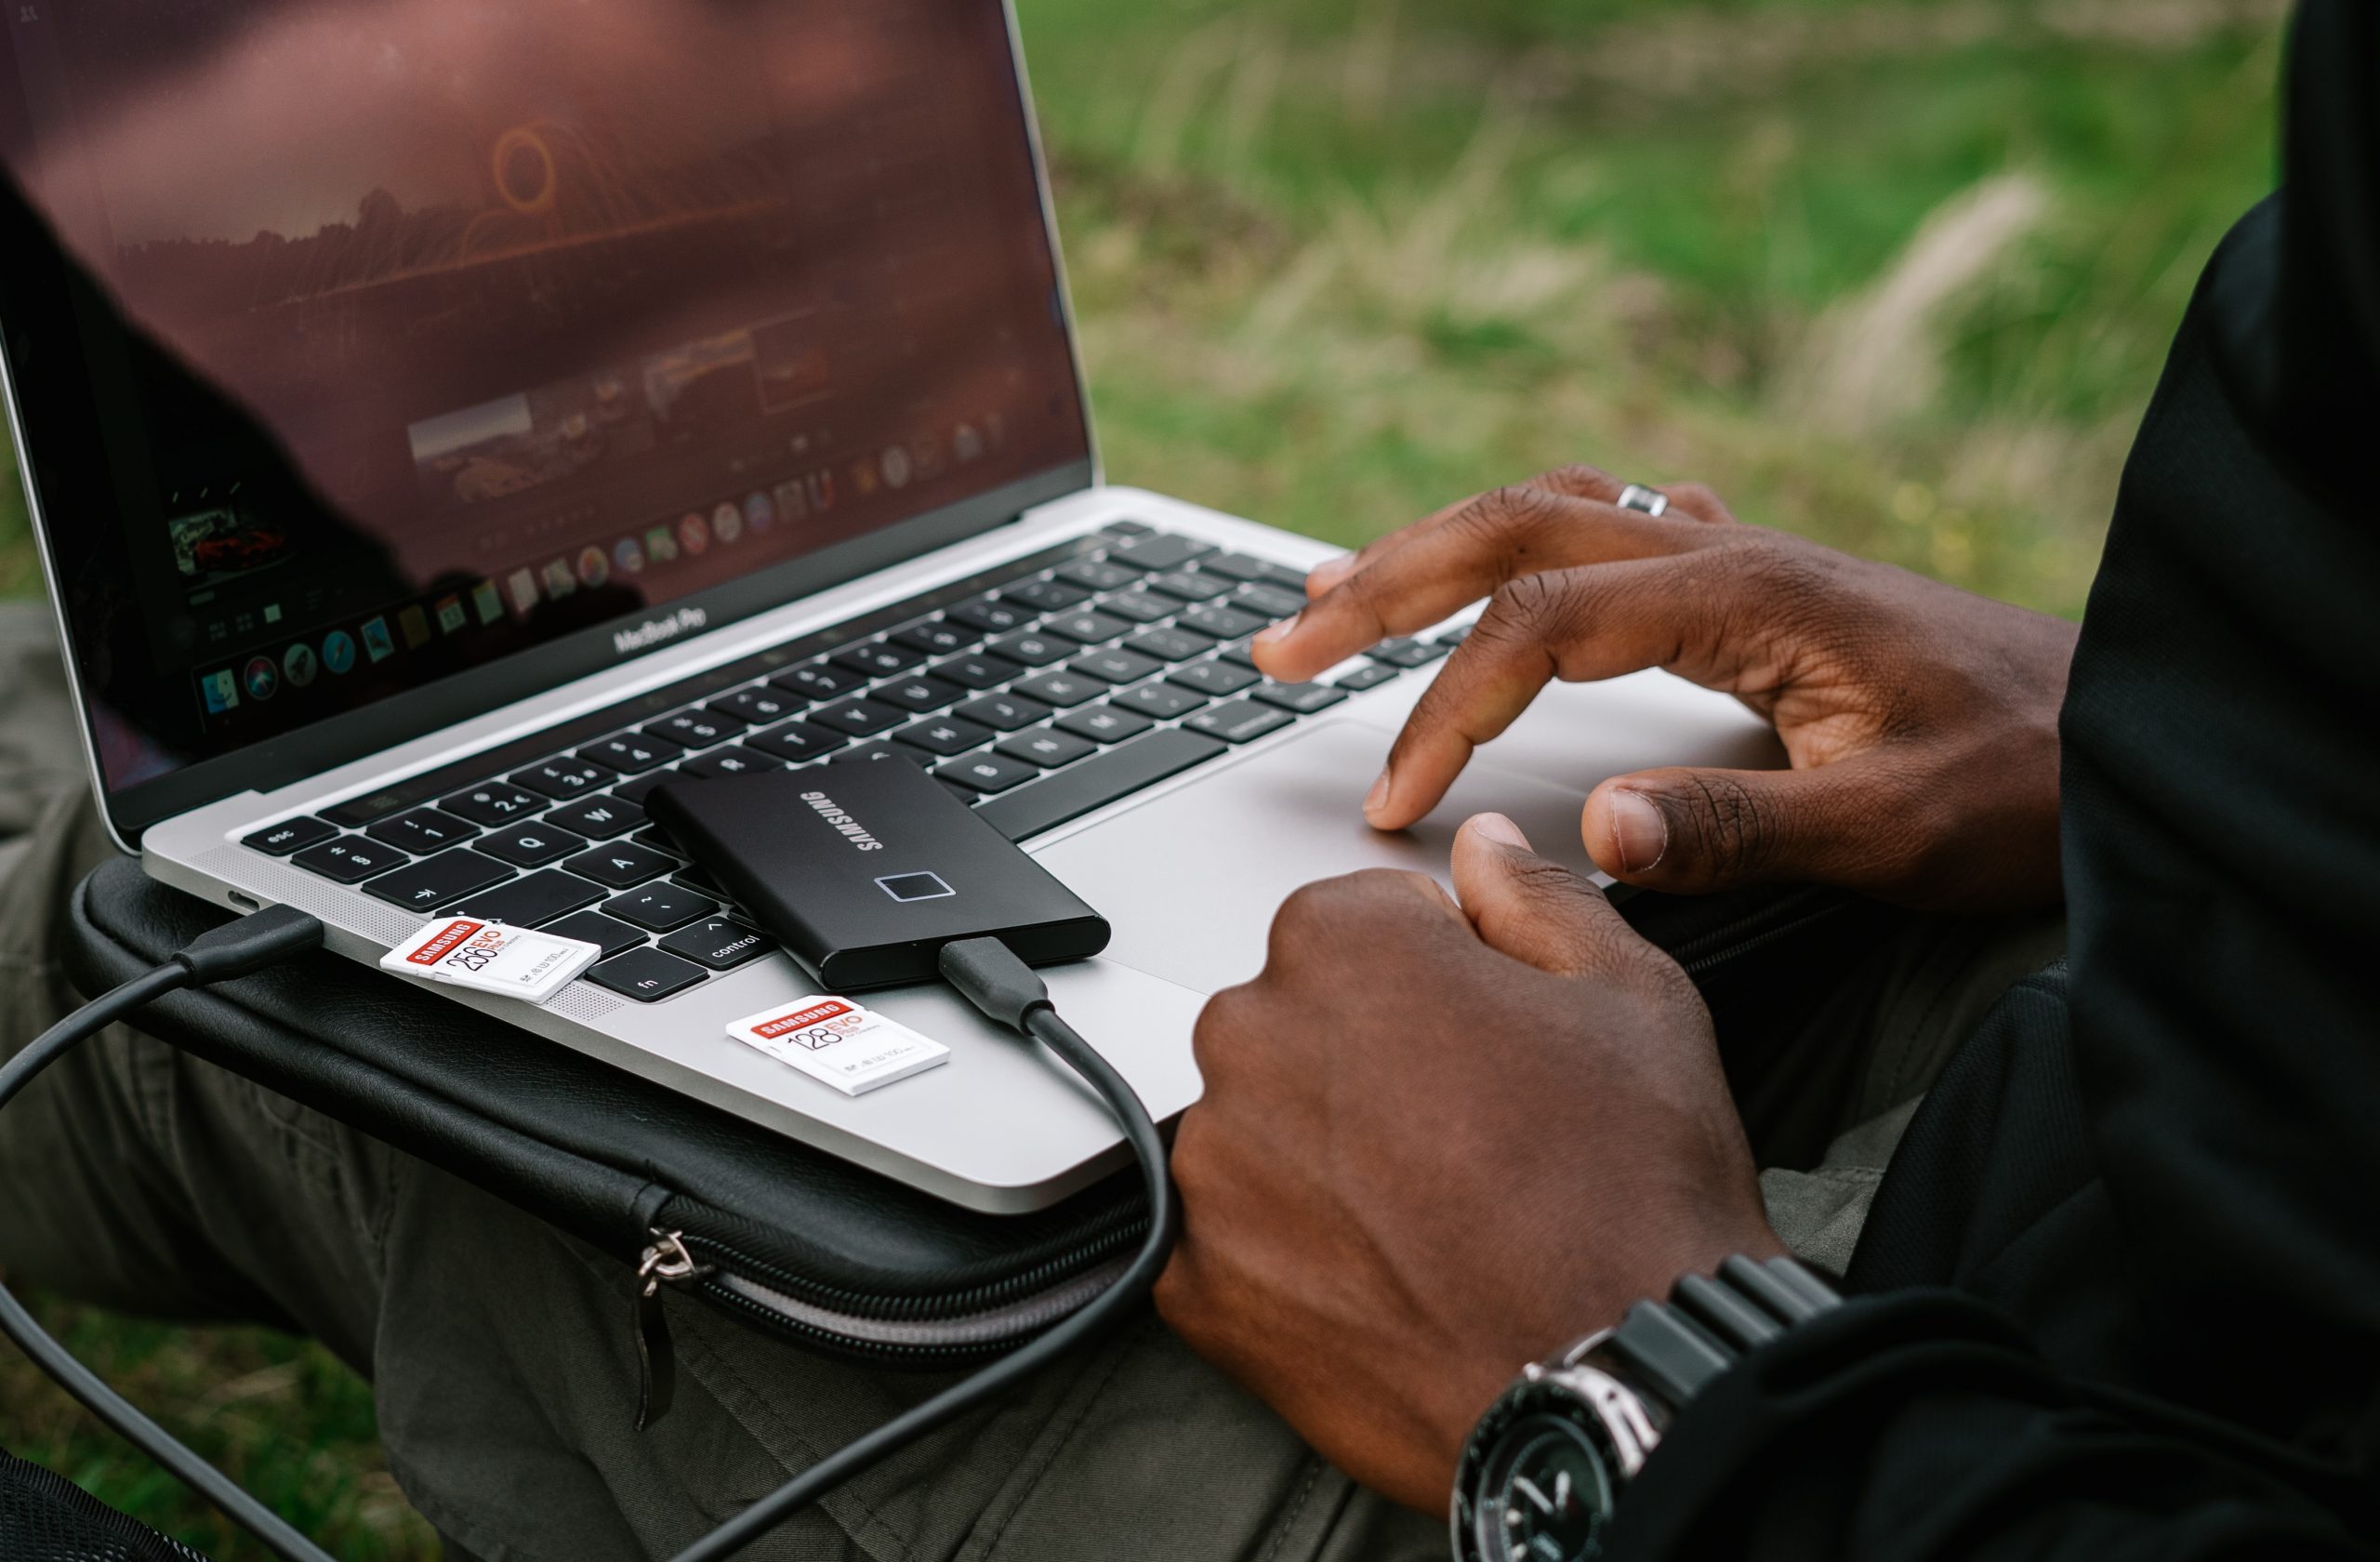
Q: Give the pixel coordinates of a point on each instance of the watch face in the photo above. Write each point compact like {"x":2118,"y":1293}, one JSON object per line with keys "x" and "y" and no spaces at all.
{"x":1544,"y":1495}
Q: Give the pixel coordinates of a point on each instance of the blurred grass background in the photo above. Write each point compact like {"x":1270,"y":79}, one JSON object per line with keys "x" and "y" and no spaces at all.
{"x":1895,"y":273}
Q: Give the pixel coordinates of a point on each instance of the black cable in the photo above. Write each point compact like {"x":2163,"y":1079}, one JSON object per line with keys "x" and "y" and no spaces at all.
{"x":984,"y":970}
{"x":234,"y":949}
{"x":990,"y":977}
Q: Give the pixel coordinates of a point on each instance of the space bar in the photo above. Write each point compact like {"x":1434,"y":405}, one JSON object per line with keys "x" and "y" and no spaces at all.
{"x":1072,"y":792}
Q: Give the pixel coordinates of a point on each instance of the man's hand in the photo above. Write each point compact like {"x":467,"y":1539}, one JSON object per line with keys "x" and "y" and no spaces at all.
{"x":1438,"y":1142}
{"x":1921,"y":721}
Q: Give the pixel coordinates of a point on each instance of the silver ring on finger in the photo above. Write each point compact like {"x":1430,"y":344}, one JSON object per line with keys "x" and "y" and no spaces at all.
{"x":1637,"y":496}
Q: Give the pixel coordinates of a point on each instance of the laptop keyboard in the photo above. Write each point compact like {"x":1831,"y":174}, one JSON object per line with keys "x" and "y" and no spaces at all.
{"x":1038,"y":693}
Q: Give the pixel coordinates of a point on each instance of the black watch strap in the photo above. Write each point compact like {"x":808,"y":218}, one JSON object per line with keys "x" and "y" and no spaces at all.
{"x":1712,"y":1322}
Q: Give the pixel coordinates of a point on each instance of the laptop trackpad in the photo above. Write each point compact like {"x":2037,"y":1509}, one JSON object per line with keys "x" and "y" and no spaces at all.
{"x":1191,"y":880}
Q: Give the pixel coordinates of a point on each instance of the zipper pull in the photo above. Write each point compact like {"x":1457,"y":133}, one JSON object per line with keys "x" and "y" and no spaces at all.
{"x":656,"y":1357}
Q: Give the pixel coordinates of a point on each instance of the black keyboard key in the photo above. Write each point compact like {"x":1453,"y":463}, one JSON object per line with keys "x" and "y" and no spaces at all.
{"x":1159,"y":700}
{"x":1269,"y":600}
{"x":992,"y":618}
{"x":1048,"y":596}
{"x":1076,"y":790}
{"x":532,"y":901}
{"x":1212,"y":677}
{"x":986,"y":773}
{"x":1407,"y":653}
{"x":290,"y":835}
{"x":431,"y":882}
{"x":634,"y":789}
{"x":943,"y":735}
{"x":1239,"y":566}
{"x":593,"y":927}
{"x":498,"y":803}
{"x":633,"y":752}
{"x":1190,"y":587}
{"x":1140,"y":606}
{"x":1455,"y":636}
{"x":647,"y":975}
{"x":1238,"y":656}
{"x":757,"y":708}
{"x":917,"y":695}
{"x":1371,"y":675}
{"x":938,"y":637}
{"x":598,"y":818}
{"x":1302,"y":699}
{"x":977,"y":671}
{"x":422,"y":831}
{"x":1033,"y":649}
{"x":660,"y":908}
{"x":1224,"y":623}
{"x":877,"y":658}
{"x":621,"y":865}
{"x":1002,"y":712}
{"x":1127,"y":530}
{"x":1103,"y":724}
{"x":1090,"y":629}
{"x":733,"y":759}
{"x":1116,"y":667}
{"x":699,"y":881}
{"x":866,"y":753}
{"x":699,"y":729}
{"x":717,"y":943}
{"x":1061,"y":689}
{"x":857,"y":717}
{"x":1046,"y":747}
{"x":1098,"y":575}
{"x":1169,"y":645}
{"x":1160,"y":553}
{"x":816,"y":681}
{"x":532,"y":845}
{"x":565,"y":777}
{"x":795,"y":741}
{"x":357,"y":812}
{"x":349,"y":858}
{"x":1239,"y":720}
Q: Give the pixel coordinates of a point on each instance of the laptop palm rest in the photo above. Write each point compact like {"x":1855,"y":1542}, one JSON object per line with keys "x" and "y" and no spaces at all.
{"x":1202,"y":869}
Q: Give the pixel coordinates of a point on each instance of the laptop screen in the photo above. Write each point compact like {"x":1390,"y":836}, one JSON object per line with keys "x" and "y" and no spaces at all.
{"x":413,"y":336}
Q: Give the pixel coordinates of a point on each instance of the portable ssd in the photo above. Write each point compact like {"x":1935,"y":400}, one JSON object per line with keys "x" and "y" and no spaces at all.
{"x":865,"y":869}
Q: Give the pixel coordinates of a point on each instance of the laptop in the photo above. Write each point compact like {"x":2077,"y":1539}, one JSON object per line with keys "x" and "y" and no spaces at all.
{"x":443,"y":423}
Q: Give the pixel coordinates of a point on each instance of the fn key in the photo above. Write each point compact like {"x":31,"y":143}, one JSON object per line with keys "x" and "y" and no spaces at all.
{"x":647,"y":975}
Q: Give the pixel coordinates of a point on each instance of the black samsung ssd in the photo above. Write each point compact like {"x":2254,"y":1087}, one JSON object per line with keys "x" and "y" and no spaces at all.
{"x":864,"y":870}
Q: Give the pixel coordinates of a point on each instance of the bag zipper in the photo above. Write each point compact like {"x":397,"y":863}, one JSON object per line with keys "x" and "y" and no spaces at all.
{"x":665,"y":1262}
{"x":982,"y":1321}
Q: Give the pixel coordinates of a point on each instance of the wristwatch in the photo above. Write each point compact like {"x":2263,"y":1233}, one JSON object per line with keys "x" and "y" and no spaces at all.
{"x":1546,"y":1464}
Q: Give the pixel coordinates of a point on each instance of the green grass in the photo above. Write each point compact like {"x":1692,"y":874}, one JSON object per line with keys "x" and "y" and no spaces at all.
{"x":281,"y":1415}
{"x":1339,"y":261}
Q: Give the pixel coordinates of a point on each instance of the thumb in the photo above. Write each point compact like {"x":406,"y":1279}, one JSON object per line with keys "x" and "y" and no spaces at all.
{"x":1693,"y":831}
{"x":1531,"y":909}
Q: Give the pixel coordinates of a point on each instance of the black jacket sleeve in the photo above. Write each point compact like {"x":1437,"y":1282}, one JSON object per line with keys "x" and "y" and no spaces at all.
{"x":2121,"y":1287}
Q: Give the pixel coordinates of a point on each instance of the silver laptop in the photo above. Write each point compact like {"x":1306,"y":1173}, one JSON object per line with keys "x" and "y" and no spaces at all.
{"x":444,"y":422}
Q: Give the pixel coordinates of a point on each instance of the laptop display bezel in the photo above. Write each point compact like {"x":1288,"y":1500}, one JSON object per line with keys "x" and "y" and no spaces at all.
{"x":64,"y":470}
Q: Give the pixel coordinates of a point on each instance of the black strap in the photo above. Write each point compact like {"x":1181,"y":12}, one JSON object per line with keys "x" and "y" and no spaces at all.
{"x":1710,"y":1323}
